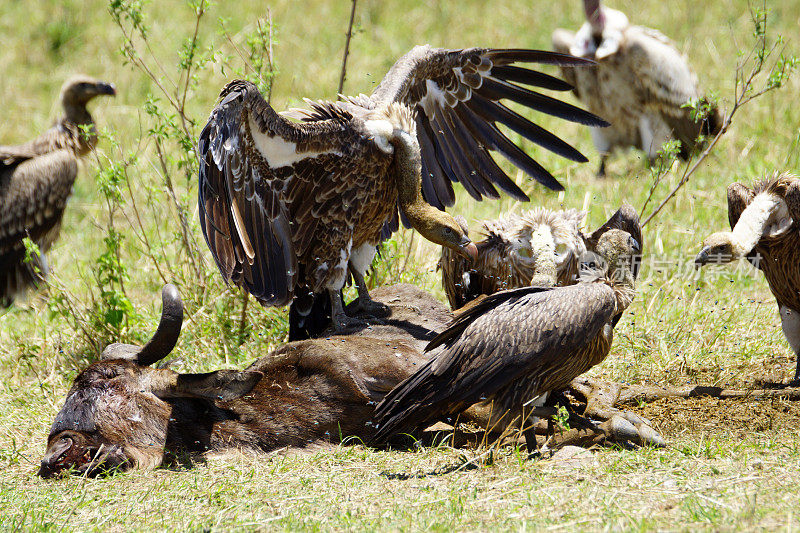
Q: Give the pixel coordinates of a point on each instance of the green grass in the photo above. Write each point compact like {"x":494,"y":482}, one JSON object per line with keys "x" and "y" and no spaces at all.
{"x":714,"y":327}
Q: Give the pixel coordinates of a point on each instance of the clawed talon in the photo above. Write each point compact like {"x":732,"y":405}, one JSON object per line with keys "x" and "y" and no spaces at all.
{"x":369,"y":307}
{"x":343,"y":323}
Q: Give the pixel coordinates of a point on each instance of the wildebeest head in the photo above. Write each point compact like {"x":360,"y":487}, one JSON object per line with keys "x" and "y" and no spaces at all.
{"x":115,"y":415}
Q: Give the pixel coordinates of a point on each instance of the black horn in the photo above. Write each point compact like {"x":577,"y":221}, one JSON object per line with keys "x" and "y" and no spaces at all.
{"x":164,"y":339}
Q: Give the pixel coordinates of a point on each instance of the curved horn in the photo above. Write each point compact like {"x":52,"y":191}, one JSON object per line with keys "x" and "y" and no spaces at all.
{"x":169,"y":328}
{"x":164,"y":339}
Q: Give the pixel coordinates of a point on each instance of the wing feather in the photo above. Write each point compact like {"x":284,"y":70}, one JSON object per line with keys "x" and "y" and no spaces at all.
{"x":505,"y":337}
{"x":443,"y":85}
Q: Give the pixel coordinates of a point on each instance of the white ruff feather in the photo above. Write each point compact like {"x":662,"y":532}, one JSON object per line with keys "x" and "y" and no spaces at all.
{"x":277,"y":151}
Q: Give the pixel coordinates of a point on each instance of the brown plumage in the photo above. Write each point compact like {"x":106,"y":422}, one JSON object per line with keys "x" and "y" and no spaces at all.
{"x":765,"y":228}
{"x":287,"y":208}
{"x":640,"y":85}
{"x":36,"y":180}
{"x":122,"y":412}
{"x":516,"y":248}
{"x":517,"y":345}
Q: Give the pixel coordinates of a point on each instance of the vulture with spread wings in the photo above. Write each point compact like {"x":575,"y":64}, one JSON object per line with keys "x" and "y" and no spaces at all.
{"x":288,"y":208}
{"x":641,"y":85}
{"x":36,"y":180}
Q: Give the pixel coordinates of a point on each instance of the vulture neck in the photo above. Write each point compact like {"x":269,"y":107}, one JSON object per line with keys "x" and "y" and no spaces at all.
{"x":75,"y":116}
{"x":544,"y":263}
{"x":422,"y":216}
{"x":753,"y":223}
{"x":620,"y":278}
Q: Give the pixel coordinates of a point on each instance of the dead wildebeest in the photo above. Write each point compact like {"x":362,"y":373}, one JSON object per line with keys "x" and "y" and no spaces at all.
{"x":122,"y":412}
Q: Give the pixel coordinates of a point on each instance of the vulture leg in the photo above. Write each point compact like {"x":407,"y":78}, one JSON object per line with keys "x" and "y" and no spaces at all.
{"x":365,"y":303}
{"x":601,"y":172}
{"x":341,"y":322}
{"x":790,"y":321}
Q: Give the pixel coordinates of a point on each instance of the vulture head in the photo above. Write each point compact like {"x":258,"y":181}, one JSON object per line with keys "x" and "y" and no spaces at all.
{"x":719,"y":248}
{"x":617,"y":248}
{"x":442,"y":229}
{"x":79,"y":90}
{"x":602,"y":34}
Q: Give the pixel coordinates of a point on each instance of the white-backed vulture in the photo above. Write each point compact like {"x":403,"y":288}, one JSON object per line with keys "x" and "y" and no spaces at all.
{"x":512,"y":254}
{"x":36,"y":180}
{"x":515,"y":346}
{"x":765,"y":224}
{"x":641,"y":84}
{"x":287,"y":208}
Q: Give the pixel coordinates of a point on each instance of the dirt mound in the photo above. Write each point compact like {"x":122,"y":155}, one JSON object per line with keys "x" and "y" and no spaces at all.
{"x":674,"y":417}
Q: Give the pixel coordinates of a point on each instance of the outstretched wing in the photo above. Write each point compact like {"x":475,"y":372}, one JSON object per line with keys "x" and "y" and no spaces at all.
{"x":456,"y":94}
{"x":268,"y":186}
{"x":507,"y":336}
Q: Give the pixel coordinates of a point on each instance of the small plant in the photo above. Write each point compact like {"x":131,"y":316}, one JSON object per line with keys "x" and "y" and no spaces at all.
{"x":754,"y":77}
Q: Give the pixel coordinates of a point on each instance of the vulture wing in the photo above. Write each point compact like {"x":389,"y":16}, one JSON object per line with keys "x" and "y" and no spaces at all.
{"x":456,"y":94}
{"x":33,"y":195}
{"x":507,"y":336}
{"x":268,"y":186}
{"x":666,"y":83}
{"x":792,"y":199}
{"x":739,"y":197}
{"x":626,"y":219}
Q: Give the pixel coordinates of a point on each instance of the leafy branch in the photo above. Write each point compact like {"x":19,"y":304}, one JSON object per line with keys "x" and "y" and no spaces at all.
{"x":765,"y":57}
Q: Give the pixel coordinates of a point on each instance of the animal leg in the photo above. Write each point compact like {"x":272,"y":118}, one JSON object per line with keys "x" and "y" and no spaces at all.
{"x":790,"y":322}
{"x":341,"y":322}
{"x":601,"y":172}
{"x":364,"y":303}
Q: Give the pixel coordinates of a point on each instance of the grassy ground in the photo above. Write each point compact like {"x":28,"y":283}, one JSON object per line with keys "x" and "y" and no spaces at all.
{"x":729,"y":466}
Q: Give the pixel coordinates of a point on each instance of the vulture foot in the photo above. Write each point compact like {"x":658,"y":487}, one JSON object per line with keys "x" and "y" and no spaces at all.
{"x":370,"y":307}
{"x":344,"y":324}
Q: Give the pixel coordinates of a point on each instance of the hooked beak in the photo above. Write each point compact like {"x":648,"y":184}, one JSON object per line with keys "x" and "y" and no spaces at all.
{"x":703,"y":258}
{"x":468,"y":249}
{"x":106,"y":88}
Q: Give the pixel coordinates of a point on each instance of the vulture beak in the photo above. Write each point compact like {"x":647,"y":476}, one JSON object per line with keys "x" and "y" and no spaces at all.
{"x":106,"y":88}
{"x":702,"y":258}
{"x":468,"y":249}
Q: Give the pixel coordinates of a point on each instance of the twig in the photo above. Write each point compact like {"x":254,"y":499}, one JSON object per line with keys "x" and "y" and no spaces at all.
{"x":347,"y":49}
{"x":243,"y":319}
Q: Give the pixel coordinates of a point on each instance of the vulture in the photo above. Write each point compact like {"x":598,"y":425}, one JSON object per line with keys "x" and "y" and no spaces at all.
{"x":540,"y":247}
{"x":290,"y":209}
{"x":765,"y":224}
{"x":641,"y":84}
{"x":36,"y":180}
{"x":512,"y":348}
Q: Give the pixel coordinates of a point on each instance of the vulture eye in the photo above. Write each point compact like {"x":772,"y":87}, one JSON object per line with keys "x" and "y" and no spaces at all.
{"x":447,"y":231}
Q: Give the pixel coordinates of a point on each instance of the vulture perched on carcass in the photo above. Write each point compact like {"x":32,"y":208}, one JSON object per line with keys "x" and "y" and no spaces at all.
{"x":765,"y":224}
{"x":641,"y":84}
{"x":36,"y":180}
{"x":289,"y":208}
{"x":541,"y":247}
{"x":512,"y":348}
